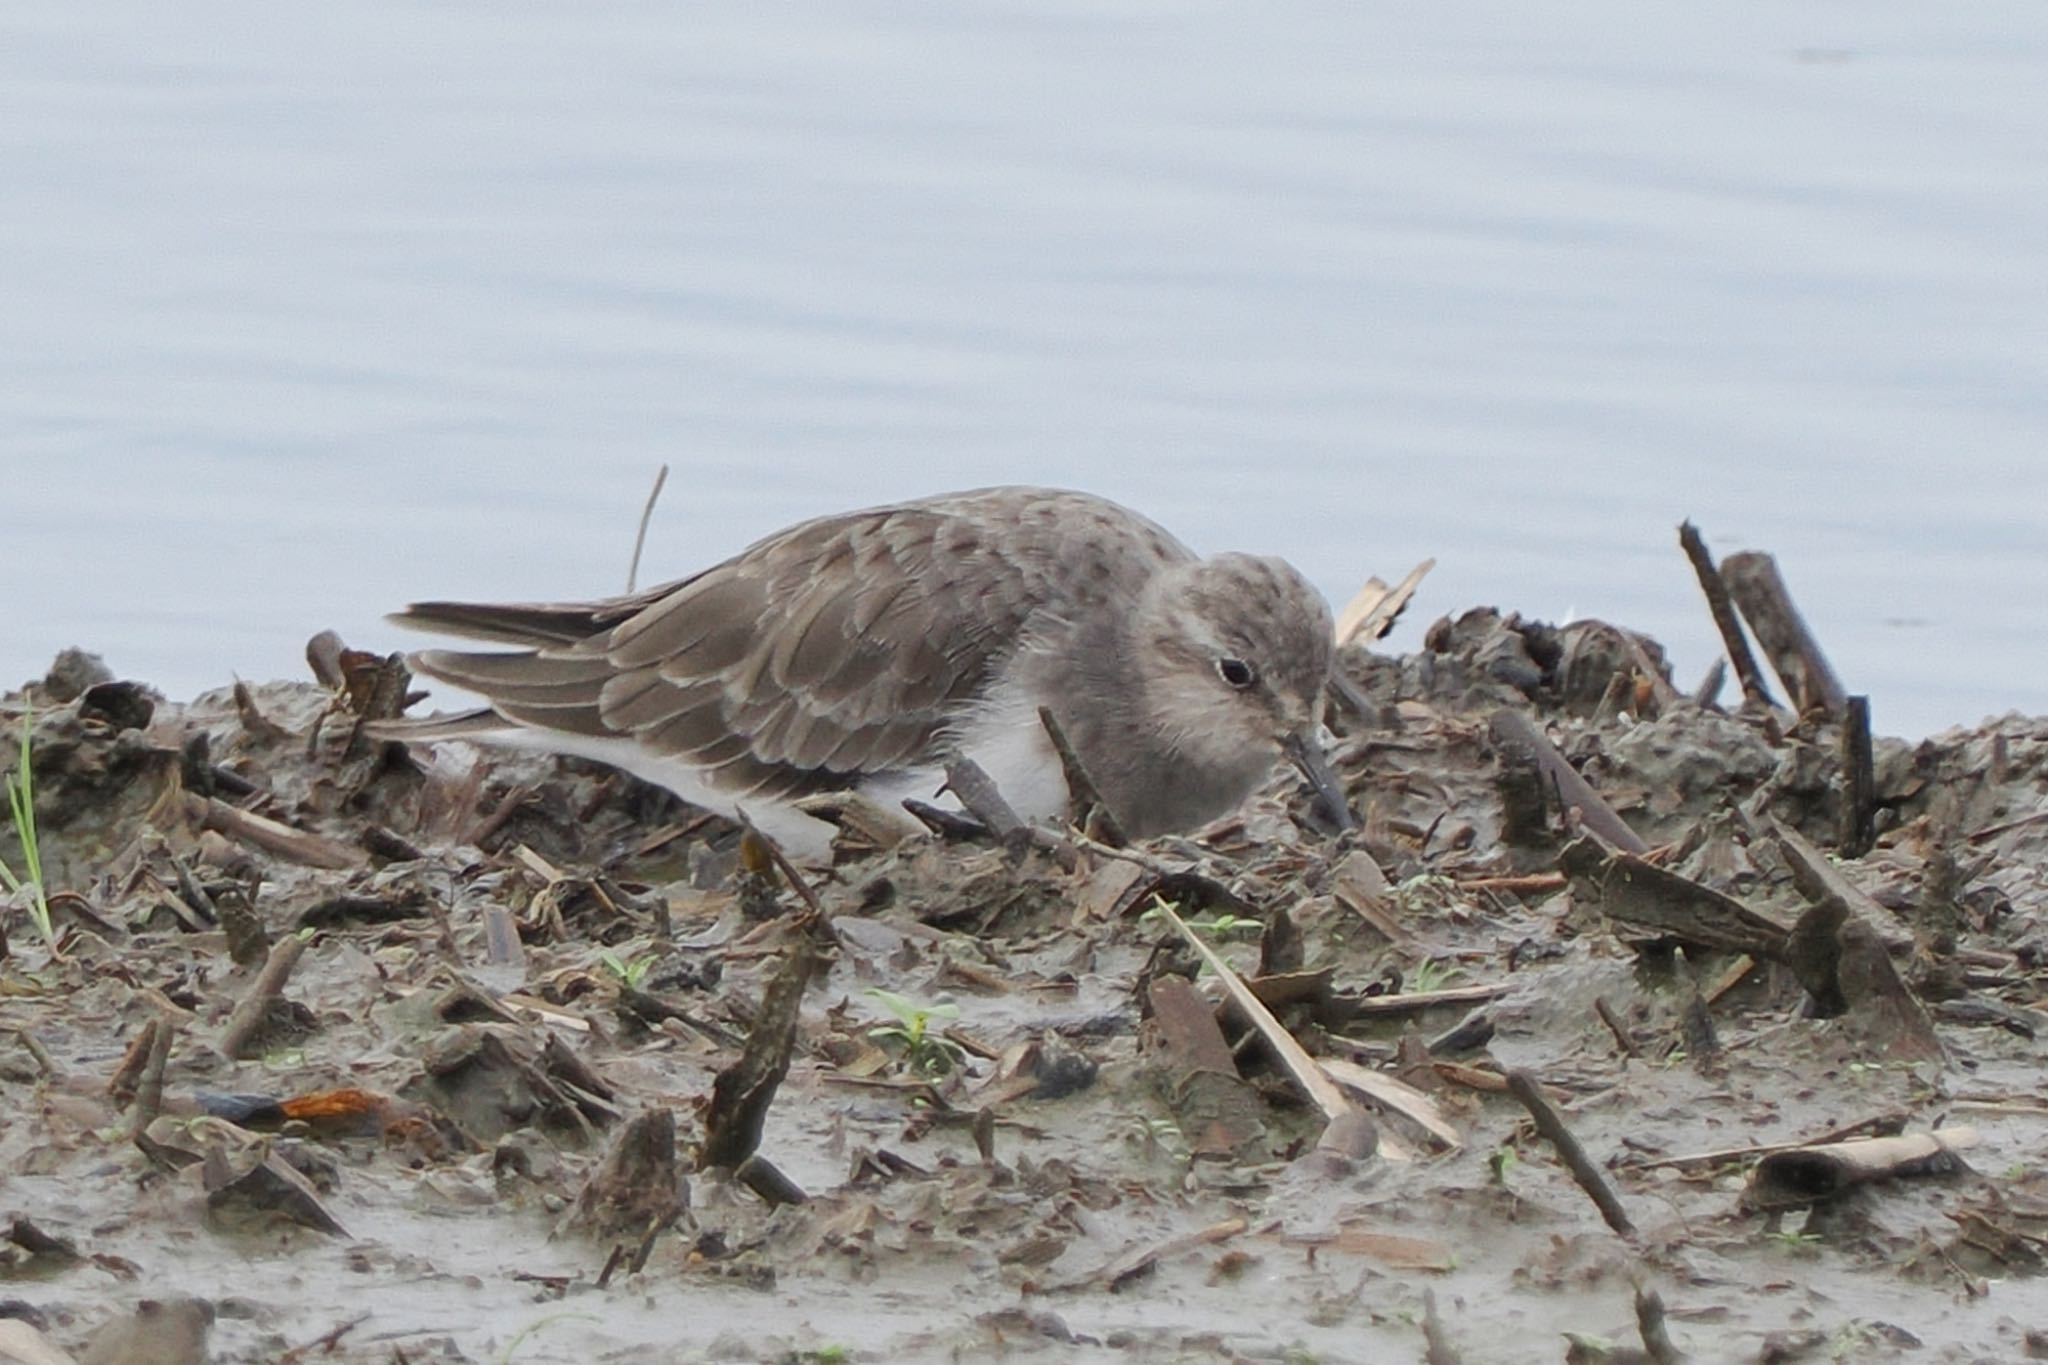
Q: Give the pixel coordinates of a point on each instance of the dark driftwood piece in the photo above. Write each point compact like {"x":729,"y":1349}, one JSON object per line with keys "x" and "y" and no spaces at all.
{"x":1525,"y":1088}
{"x":241,"y":1038}
{"x":742,"y":1092}
{"x":770,"y":1181}
{"x":270,"y":836}
{"x":1723,"y":612}
{"x":1708,"y":691}
{"x":1519,"y":736}
{"x":1859,"y":782}
{"x":149,"y":1094}
{"x":1808,"y":1175}
{"x":127,"y":1075}
{"x":1814,"y":951}
{"x":638,"y":1186}
{"x":1218,"y":1113}
{"x":1753,"y":581}
{"x":978,"y":795}
{"x":1624,"y":887}
{"x":1818,"y":879}
{"x":1888,"y":1016}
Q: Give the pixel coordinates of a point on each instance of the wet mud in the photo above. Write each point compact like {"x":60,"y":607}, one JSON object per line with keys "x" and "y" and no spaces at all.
{"x":343,"y":1051}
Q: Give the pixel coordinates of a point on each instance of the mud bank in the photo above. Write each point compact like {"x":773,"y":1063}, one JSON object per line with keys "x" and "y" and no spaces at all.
{"x":348,"y":1052}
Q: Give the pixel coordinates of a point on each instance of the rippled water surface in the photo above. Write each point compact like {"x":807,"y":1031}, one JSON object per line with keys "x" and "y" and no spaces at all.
{"x":310,"y":310}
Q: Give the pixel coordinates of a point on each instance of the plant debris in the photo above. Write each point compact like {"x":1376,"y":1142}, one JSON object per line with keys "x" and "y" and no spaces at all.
{"x":346,"y":1051}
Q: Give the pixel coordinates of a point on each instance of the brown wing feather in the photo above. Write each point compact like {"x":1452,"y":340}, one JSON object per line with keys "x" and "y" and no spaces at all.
{"x":839,"y":647}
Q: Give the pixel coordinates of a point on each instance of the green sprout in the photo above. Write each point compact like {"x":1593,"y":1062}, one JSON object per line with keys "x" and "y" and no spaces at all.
{"x":537,"y":1326}
{"x":1429,"y":975}
{"x":1222,"y":924}
{"x":630,"y":973}
{"x":924,"y":1048}
{"x":1161,"y":1137}
{"x":21,"y":806}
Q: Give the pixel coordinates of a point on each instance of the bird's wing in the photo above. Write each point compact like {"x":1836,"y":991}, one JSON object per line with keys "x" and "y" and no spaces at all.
{"x":840,"y":647}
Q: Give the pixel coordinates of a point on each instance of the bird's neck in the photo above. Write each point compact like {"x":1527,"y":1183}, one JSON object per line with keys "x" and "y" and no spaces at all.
{"x":1150,"y":782}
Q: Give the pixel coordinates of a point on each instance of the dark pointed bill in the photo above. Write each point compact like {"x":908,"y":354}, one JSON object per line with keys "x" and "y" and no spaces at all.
{"x":1305,"y":752}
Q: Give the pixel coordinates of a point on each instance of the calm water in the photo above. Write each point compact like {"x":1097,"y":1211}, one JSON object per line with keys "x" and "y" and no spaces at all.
{"x":306,"y":311}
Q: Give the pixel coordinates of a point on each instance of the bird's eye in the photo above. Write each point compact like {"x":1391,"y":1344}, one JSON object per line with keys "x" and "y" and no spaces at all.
{"x":1237,"y":673}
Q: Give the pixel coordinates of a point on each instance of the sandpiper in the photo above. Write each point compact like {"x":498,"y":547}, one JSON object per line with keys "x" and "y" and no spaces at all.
{"x":869,"y":649}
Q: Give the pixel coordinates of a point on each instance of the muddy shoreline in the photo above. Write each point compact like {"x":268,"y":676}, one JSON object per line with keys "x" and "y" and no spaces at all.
{"x":471,"y":1122}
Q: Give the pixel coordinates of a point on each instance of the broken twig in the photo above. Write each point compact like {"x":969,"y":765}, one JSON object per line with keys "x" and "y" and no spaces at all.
{"x":1760,"y":592}
{"x":1723,"y":612}
{"x":1525,"y":1088}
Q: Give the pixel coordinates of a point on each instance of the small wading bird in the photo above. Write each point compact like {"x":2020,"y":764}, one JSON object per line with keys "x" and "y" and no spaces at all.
{"x":870,"y":649}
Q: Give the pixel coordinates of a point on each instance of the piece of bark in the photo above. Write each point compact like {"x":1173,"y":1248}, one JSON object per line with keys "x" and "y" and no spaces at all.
{"x":295,"y":845}
{"x":1723,"y":612}
{"x":638,"y":1186}
{"x":768,"y":1180}
{"x":1280,"y":947}
{"x":1624,"y":887}
{"x":1362,"y":887}
{"x":1859,"y":782}
{"x":1707,"y":692}
{"x":978,"y":796}
{"x":248,"y":939}
{"x":1515,"y":732}
{"x":1319,"y":1089}
{"x":1374,"y":608}
{"x":1218,"y":1113}
{"x":1760,"y":593}
{"x":742,"y":1092}
{"x":1814,"y":950}
{"x":242,"y":1038}
{"x":1808,"y":1175}
{"x":1879,"y":1007}
{"x":149,"y":1090}
{"x":254,"y":1186}
{"x":1395,"y":1095}
{"x":127,"y":1077}
{"x":1817,"y":878}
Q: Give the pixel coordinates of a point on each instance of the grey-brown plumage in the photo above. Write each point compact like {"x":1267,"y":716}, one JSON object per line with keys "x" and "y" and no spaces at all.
{"x":870,"y":648}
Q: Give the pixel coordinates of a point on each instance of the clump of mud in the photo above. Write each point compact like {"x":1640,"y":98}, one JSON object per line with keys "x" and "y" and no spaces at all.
{"x":349,"y":1052}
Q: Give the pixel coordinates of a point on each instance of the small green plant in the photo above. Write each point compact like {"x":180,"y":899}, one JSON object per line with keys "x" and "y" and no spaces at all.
{"x":630,"y":973}
{"x":537,"y":1326}
{"x":1429,"y":975}
{"x":1222,"y":924}
{"x":1500,"y":1164}
{"x":924,"y":1048}
{"x":1160,"y":1137}
{"x":21,"y":808}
